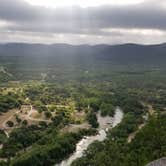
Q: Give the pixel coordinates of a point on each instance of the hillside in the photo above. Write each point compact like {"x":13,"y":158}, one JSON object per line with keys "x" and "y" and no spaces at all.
{"x":125,"y":52}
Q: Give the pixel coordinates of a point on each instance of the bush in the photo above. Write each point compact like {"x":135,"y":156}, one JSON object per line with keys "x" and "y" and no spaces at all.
{"x":47,"y":114}
{"x":10,"y":123}
{"x":25,"y":122}
{"x":92,"y":119}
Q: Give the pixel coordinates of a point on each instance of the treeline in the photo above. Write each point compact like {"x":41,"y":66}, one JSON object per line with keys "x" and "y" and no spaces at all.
{"x":51,"y":149}
{"x":45,"y":94}
{"x":20,"y":139}
{"x":4,"y":77}
{"x":2,"y":137}
{"x":9,"y":101}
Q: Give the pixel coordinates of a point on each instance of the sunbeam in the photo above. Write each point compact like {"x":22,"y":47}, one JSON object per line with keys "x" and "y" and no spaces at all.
{"x":82,"y":3}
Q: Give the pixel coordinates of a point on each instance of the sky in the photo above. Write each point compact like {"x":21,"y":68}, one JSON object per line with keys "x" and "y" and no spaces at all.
{"x":83,"y":21}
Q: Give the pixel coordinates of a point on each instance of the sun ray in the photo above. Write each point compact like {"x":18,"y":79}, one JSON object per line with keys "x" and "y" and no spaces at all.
{"x":82,"y":3}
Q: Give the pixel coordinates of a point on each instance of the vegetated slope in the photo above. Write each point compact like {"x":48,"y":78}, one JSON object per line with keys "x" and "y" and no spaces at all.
{"x":29,"y":61}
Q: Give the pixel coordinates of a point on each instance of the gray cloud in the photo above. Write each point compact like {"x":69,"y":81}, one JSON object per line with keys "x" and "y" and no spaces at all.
{"x":23,"y":17}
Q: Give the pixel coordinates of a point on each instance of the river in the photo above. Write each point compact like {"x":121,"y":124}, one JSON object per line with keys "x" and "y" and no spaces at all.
{"x":105,"y":123}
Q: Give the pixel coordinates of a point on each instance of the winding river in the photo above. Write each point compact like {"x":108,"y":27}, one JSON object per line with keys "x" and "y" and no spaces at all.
{"x":105,"y":123}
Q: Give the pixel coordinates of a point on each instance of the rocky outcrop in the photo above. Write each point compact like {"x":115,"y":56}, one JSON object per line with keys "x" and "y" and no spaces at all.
{"x":159,"y":162}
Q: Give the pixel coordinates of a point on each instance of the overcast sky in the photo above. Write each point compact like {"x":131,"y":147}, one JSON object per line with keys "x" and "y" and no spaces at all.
{"x":83,"y":21}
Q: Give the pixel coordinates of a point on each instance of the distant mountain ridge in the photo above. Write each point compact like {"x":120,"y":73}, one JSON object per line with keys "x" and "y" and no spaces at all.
{"x":123,"y":53}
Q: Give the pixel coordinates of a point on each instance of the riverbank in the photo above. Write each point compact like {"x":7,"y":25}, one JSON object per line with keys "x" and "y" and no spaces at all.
{"x":105,"y":123}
